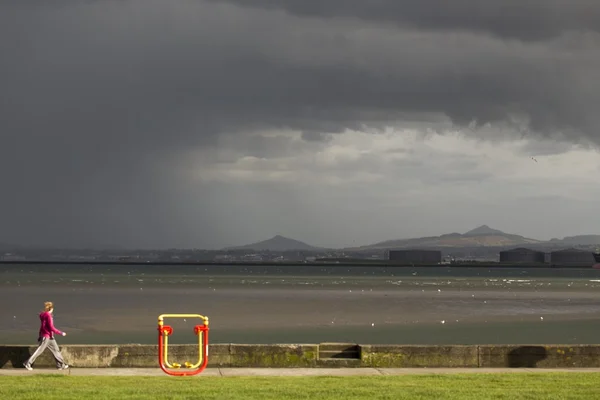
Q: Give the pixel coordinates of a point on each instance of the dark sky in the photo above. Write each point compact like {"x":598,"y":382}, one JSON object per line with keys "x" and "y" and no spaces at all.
{"x":192,"y":123}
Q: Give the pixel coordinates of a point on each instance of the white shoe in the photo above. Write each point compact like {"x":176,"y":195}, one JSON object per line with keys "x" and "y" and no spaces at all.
{"x":27,"y":366}
{"x":65,"y":366}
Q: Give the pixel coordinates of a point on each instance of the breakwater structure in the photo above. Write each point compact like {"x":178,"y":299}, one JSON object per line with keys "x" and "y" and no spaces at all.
{"x":328,"y":355}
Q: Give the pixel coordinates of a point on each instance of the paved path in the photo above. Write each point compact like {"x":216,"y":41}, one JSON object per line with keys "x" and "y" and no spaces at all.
{"x":225,"y":372}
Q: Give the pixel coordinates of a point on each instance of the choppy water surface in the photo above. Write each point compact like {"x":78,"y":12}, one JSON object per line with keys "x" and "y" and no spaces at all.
{"x":261,"y":304}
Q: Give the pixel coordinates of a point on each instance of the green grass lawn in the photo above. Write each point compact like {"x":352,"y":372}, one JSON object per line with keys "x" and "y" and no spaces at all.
{"x":455,"y":386}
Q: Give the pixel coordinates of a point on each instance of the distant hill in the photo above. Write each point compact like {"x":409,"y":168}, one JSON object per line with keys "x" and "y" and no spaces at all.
{"x":584,"y":240}
{"x":277,"y":243}
{"x":483,"y":230}
{"x":482,"y":236}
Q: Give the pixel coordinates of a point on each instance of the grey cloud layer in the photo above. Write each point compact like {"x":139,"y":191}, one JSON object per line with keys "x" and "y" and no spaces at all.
{"x":100,"y":99}
{"x":521,"y":19}
{"x":195,"y":69}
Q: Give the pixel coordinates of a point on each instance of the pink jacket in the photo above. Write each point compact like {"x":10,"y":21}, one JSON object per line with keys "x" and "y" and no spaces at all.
{"x":47,"y":329}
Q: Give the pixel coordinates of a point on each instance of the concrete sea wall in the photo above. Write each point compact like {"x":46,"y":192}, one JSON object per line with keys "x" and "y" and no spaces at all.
{"x":319,"y":355}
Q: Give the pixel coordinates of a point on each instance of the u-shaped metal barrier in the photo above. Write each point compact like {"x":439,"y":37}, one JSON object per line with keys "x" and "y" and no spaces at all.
{"x":173,"y":368}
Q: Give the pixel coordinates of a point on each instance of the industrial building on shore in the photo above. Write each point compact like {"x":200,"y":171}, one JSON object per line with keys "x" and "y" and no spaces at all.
{"x":572,"y":256}
{"x":522,"y":255}
{"x":415,"y":256}
{"x":565,"y":257}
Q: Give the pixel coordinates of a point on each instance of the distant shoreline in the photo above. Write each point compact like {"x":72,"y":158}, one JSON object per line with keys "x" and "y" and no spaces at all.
{"x":352,"y":263}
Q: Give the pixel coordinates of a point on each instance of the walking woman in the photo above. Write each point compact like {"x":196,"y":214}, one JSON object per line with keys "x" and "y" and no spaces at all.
{"x":46,"y":339}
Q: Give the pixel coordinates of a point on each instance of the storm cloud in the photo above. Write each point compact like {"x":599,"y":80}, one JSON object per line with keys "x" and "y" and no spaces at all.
{"x":514,"y":19}
{"x":106,"y":106}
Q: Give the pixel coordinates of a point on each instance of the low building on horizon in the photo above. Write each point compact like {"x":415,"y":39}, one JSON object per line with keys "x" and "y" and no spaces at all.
{"x":522,"y":255}
{"x":415,"y":256}
{"x":573,"y":257}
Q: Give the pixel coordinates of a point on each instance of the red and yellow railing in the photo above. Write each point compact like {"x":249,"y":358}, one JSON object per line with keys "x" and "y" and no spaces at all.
{"x":173,"y":368}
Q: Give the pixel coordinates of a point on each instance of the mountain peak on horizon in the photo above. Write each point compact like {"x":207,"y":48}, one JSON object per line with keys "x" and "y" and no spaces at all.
{"x":482,"y":236}
{"x":276,"y":243}
{"x":484,"y":230}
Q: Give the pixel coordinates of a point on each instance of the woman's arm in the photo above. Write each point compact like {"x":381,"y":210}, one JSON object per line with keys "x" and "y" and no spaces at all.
{"x":52,"y":328}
